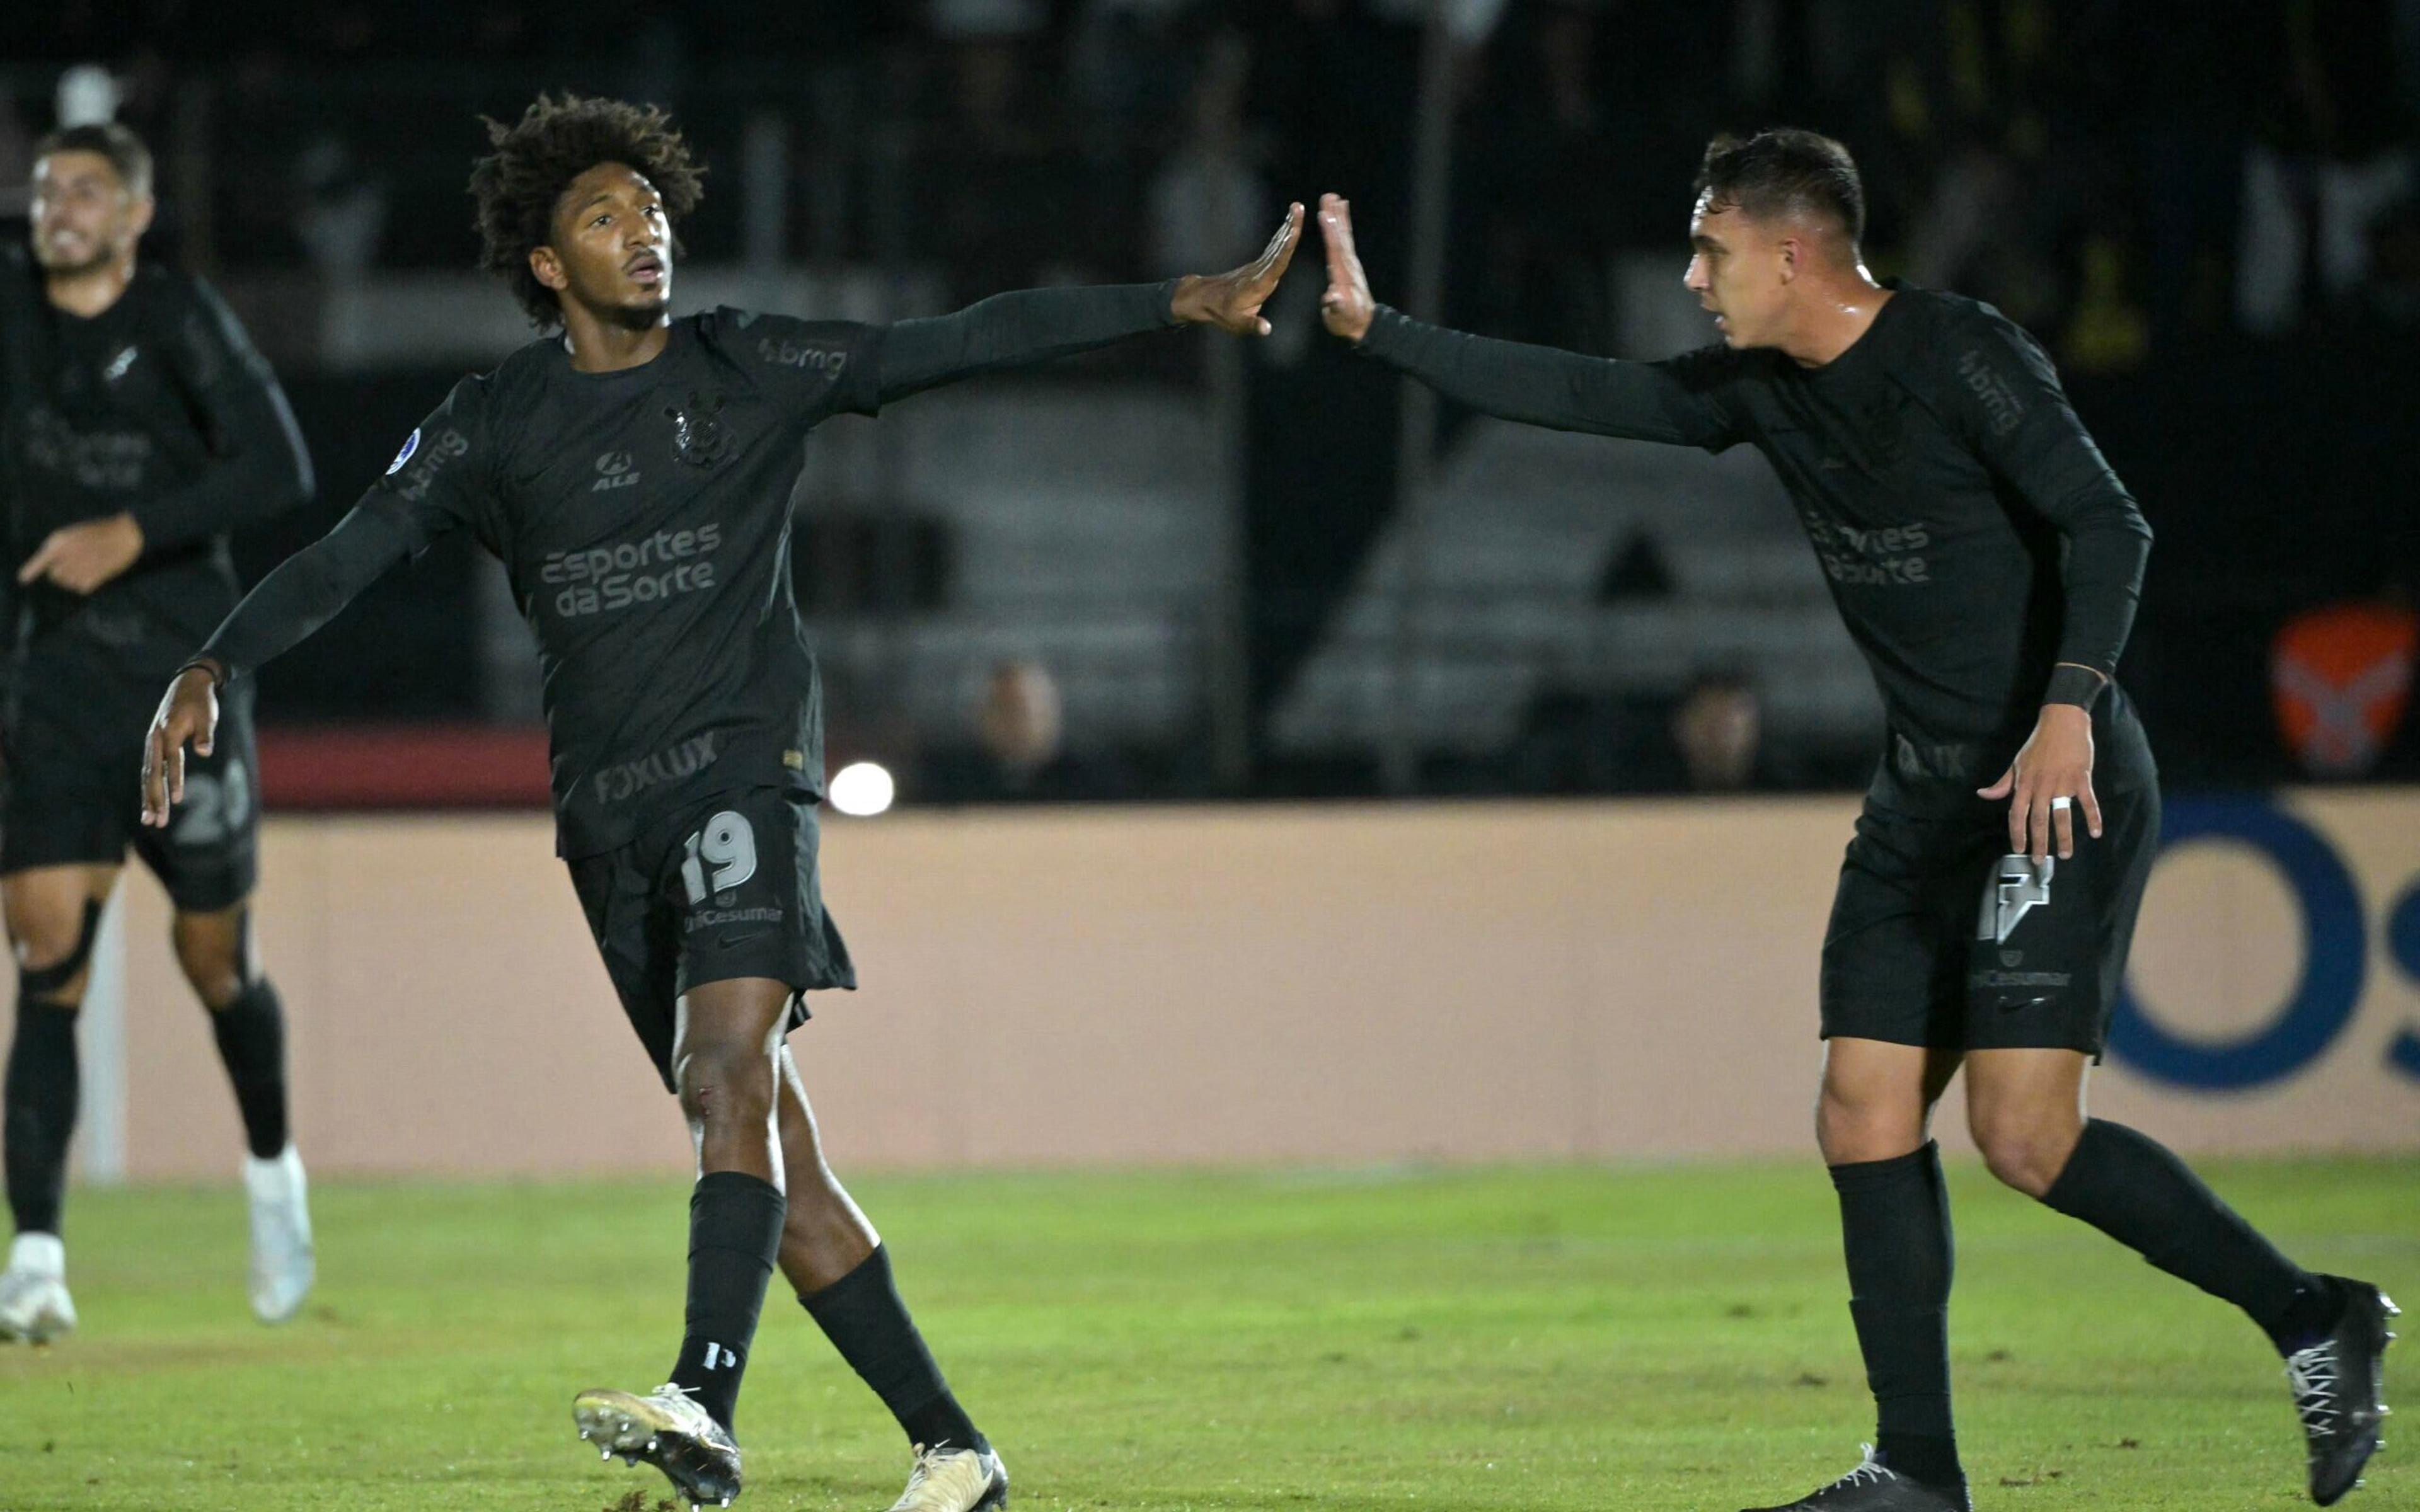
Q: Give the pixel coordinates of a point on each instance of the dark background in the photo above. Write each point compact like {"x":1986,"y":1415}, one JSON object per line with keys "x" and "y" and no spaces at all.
{"x":2114,"y":175}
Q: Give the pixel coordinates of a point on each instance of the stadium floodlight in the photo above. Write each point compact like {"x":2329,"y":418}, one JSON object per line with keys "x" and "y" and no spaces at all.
{"x":862,"y":789}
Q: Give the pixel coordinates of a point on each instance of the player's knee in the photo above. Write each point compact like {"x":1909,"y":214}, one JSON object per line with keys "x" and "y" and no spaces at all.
{"x":213,"y":951}
{"x":726,"y":1085}
{"x":53,"y":952}
{"x":214,"y":971}
{"x":2026,"y":1153}
{"x":1851,"y":1130}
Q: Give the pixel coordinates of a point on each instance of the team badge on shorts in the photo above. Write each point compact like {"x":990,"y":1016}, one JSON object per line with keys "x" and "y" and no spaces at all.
{"x":2018,"y":884}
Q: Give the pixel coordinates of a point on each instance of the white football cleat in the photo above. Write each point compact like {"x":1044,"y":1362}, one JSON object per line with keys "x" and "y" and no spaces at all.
{"x":947,"y":1479}
{"x":282,"y":1262}
{"x":33,"y":1303}
{"x":665,"y":1429}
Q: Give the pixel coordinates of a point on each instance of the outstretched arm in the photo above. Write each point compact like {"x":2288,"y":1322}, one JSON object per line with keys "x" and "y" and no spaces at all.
{"x":437,"y":484}
{"x":1670,"y":401}
{"x":305,"y":591}
{"x":1034,"y":326}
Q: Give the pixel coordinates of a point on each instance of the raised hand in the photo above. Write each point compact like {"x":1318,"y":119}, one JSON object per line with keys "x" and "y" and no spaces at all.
{"x":1233,"y":300}
{"x":189,"y":714}
{"x":1347,"y":307}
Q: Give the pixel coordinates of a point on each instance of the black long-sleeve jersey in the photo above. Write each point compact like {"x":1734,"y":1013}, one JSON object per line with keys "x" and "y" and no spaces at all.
{"x":159,"y":408}
{"x":643,"y":517}
{"x":1973,"y":534}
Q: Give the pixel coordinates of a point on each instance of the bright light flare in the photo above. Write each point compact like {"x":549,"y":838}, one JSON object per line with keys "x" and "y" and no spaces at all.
{"x":861,"y":789}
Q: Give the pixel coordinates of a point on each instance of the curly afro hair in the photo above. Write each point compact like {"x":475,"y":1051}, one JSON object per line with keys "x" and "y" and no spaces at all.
{"x":535,"y":159}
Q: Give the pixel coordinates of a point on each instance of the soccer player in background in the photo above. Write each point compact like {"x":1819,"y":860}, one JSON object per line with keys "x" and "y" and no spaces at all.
{"x":632,"y":472}
{"x":1987,"y":561}
{"x":138,"y":428}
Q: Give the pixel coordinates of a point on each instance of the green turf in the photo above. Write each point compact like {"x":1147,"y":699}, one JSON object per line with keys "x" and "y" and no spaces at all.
{"x":1665,"y":1337}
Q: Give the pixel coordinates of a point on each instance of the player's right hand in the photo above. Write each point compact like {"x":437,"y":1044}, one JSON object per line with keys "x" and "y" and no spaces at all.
{"x":1346,"y":307}
{"x":189,"y":714}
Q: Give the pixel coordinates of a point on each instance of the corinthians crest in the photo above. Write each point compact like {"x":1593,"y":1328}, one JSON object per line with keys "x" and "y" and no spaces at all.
{"x":700,"y":437}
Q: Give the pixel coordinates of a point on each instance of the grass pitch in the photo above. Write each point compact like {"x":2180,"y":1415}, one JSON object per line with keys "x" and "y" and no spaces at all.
{"x":1545,"y":1338}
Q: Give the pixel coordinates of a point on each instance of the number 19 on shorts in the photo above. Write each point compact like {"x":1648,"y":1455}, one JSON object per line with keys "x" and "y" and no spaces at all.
{"x":728,"y":845}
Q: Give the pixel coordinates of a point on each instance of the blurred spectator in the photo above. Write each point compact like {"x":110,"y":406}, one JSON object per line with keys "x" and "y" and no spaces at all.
{"x":2331,"y":158}
{"x":2388,"y":300}
{"x":1718,"y":730}
{"x":1019,"y":753}
{"x":1208,"y":208}
{"x":343,"y":209}
{"x":1709,"y":739}
{"x":1021,"y":722}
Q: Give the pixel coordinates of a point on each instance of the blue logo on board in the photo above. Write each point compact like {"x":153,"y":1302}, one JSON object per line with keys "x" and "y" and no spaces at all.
{"x":2336,"y":959}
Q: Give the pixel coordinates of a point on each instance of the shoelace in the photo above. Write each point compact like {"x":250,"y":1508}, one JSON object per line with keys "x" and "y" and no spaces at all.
{"x":1872,"y":1472}
{"x":928,"y":1462}
{"x":2313,"y":1372}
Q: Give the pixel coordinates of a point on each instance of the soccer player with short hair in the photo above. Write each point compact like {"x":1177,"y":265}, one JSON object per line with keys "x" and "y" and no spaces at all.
{"x":1987,"y":561}
{"x":138,"y":427}
{"x":632,"y":472}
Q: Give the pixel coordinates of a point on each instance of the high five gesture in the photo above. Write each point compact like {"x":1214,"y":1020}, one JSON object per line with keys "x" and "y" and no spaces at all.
{"x":1346,"y":307}
{"x":1233,"y":300}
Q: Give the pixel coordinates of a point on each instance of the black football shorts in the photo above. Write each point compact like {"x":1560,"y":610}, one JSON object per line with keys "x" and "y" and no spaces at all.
{"x":719,"y":888}
{"x":1940,"y":937}
{"x":73,"y":772}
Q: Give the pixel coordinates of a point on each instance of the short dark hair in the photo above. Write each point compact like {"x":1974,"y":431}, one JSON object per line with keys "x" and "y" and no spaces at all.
{"x":128,"y":157}
{"x":557,"y":139}
{"x":1785,"y":172}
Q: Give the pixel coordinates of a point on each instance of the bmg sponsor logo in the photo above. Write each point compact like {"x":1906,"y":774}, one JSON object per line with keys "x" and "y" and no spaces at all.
{"x":2001,"y":405}
{"x":601,"y":578}
{"x":829,"y":362}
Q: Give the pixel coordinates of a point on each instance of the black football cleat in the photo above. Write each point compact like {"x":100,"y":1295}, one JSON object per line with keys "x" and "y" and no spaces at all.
{"x":1874,"y":1487}
{"x":2340,"y":1390}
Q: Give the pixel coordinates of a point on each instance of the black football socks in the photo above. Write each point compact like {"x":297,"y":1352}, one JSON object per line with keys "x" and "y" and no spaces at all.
{"x":862,"y":1314}
{"x":40,"y":1097}
{"x":2135,"y":1190}
{"x":251,"y":1032}
{"x":735,"y":1233}
{"x":1895,"y":1231}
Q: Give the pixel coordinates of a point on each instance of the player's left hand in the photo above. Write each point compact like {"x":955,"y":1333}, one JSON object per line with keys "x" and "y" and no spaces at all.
{"x":82,"y":557}
{"x":1233,"y":300}
{"x":2055,"y":763}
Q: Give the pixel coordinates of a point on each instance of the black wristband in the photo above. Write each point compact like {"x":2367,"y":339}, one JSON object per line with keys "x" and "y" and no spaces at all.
{"x":2071,"y":683}
{"x":219,"y":675}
